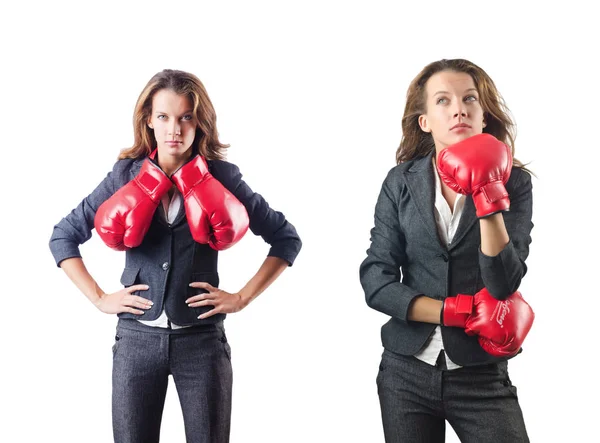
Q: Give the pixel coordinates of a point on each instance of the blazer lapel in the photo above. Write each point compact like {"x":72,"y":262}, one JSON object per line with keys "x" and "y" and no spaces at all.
{"x":136,"y":166}
{"x":420,"y":183}
{"x":180,"y":213}
{"x":467,"y":219}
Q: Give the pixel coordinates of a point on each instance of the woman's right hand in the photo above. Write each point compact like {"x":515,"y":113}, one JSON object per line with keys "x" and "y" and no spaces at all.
{"x":124,"y":301}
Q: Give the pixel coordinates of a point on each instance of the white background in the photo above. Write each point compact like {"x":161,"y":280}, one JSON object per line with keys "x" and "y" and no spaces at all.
{"x":310,"y":96}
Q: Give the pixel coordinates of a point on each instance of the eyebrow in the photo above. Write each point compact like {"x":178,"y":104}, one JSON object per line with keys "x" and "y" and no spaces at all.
{"x":446,"y":92}
{"x":186,"y":112}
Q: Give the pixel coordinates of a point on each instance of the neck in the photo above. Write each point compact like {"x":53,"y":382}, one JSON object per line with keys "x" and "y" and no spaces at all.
{"x":169,"y":164}
{"x":438,"y":149}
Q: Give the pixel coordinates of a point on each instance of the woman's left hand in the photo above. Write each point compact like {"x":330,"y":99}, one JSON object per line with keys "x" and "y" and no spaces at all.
{"x":223,"y":301}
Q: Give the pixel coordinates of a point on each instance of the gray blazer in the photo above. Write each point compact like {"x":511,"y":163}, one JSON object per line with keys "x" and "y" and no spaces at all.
{"x":168,"y":258}
{"x":407,"y":258}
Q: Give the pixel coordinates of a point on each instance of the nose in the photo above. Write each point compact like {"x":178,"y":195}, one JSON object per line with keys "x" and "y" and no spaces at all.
{"x":460,"y":109}
{"x":175,"y":127}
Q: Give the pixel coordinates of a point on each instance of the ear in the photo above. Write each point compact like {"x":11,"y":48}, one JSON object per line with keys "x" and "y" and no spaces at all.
{"x":149,"y":123}
{"x":484,"y":123}
{"x":423,"y":123}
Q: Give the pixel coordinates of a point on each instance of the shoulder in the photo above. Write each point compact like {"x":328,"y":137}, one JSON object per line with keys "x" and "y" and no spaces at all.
{"x":224,"y":171}
{"x":125,"y":165}
{"x":398,"y":171}
{"x":222,"y":167}
{"x":125,"y":170}
{"x":396,"y":175}
{"x":519,"y":178}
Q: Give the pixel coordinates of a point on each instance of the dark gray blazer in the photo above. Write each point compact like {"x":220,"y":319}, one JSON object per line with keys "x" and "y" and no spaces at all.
{"x":407,"y":258}
{"x":168,"y":258}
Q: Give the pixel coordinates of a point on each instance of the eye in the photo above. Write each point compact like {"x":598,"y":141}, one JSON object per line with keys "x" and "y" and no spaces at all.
{"x":470,"y":98}
{"x":441,"y":101}
{"x":186,"y":118}
{"x":161,"y":116}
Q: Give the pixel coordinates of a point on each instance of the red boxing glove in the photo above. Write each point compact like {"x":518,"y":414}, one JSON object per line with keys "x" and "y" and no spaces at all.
{"x":214,"y":214}
{"x":481,"y":166}
{"x":501,"y":325}
{"x":123,"y":220}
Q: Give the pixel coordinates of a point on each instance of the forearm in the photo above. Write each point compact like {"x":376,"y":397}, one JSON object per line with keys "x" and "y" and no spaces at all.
{"x":380,"y":278}
{"x":500,"y":264}
{"x":503,"y":266}
{"x":494,"y":236}
{"x":271,"y":268}
{"x":79,"y":275}
{"x":425,"y":309}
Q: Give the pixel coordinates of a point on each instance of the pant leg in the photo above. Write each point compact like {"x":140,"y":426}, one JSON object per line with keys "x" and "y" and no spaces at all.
{"x":410,"y":395}
{"x":201,"y":367}
{"x":482,"y":405}
{"x":139,"y":385}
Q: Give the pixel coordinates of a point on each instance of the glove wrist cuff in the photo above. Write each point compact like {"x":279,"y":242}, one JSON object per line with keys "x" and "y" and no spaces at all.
{"x":190,"y":174}
{"x":153,"y":181}
{"x":456,"y":310}
{"x":490,"y":199}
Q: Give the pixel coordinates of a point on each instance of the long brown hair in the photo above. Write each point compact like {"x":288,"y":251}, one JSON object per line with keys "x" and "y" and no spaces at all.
{"x":417,"y":143}
{"x":206,"y":141}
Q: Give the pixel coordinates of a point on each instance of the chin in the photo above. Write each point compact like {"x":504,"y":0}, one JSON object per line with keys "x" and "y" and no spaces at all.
{"x":176,"y":151}
{"x":460,"y":137}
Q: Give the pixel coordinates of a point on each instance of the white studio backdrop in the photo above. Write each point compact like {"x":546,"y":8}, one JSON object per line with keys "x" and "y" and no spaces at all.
{"x":310,"y":96}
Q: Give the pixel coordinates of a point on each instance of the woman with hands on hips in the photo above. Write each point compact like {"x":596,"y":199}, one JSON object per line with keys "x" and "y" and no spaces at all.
{"x":171,"y":202}
{"x":447,"y":255}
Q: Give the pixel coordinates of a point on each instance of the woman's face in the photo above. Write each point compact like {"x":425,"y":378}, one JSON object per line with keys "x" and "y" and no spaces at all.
{"x":173,"y":122}
{"x":453,"y":112}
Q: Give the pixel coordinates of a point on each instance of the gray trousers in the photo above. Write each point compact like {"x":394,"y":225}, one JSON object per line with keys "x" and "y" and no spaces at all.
{"x":416,"y":399}
{"x":199,"y":360}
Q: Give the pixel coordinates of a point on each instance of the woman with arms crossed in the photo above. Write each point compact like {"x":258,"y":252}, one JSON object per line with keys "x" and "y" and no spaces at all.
{"x":171,"y":202}
{"x":452,"y":232}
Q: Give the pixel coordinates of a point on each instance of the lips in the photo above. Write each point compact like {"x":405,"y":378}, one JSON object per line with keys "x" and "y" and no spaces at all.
{"x":460,"y":125}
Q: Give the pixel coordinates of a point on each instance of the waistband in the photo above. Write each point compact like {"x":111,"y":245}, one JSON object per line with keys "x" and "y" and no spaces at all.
{"x":127,"y":323}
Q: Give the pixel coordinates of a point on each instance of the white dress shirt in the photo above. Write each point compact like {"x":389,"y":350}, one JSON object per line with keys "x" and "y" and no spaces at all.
{"x":173,"y":209}
{"x":446,"y":222}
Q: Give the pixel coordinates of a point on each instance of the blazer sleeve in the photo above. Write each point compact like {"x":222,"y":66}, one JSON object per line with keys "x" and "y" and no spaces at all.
{"x":271,"y":225}
{"x":76,"y":228}
{"x":380,"y":273}
{"x":502,"y":274}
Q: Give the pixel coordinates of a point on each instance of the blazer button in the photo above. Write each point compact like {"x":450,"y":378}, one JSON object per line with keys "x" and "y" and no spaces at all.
{"x":165,"y":266}
{"x":444,"y":257}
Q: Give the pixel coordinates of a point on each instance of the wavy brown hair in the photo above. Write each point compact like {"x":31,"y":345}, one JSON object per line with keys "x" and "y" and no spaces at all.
{"x":417,"y":143}
{"x":206,"y":141}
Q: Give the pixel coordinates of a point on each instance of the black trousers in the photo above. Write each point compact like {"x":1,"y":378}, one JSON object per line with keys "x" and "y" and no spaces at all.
{"x":417,"y":399}
{"x":197,"y":358}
